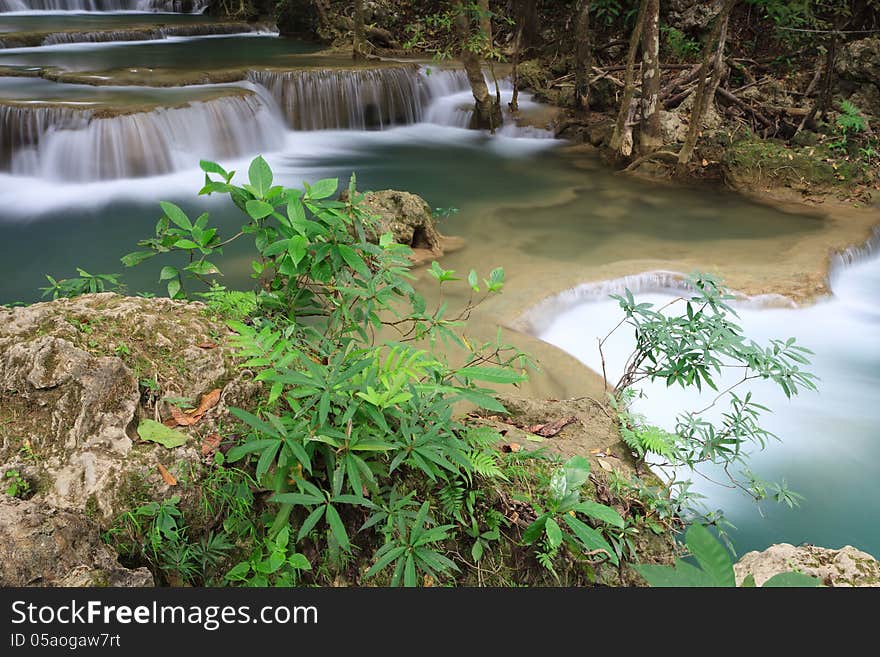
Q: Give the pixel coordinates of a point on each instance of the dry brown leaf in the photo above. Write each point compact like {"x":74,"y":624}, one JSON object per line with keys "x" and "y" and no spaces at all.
{"x":605,"y":465}
{"x":210,"y":443}
{"x":190,"y":417}
{"x":512,"y":448}
{"x":208,"y":345}
{"x":182,"y":419}
{"x":209,"y":401}
{"x":169,"y":478}
{"x":550,"y":429}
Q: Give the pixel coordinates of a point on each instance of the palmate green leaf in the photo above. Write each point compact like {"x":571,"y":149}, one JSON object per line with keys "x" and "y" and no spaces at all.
{"x":710,"y":554}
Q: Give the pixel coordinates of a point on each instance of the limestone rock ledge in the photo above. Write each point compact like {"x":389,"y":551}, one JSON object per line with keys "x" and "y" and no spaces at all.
{"x":77,"y":376}
{"x":844,"y":567}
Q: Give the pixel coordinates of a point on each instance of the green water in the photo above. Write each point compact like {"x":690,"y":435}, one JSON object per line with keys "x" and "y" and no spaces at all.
{"x":46,"y":91}
{"x":90,"y":22}
{"x":179,"y":53}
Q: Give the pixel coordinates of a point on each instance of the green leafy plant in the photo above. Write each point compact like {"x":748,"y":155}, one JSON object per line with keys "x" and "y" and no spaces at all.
{"x":84,"y":283}
{"x":692,"y":348}
{"x":680,"y":45}
{"x":412,"y":550}
{"x":16,"y":484}
{"x":347,"y":416}
{"x":270,"y":563}
{"x":714,"y":567}
{"x":558,"y":523}
{"x":155,"y":533}
{"x":849,"y":122}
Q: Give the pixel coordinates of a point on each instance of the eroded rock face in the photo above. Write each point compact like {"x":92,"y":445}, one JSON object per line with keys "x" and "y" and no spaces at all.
{"x":860,"y":60}
{"x":687,"y":15}
{"x":72,"y":396}
{"x":46,"y":546}
{"x":407,"y":216}
{"x":844,"y":567}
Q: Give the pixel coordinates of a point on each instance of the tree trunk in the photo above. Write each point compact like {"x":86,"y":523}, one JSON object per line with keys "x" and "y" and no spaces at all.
{"x":584,"y":63}
{"x":514,"y":77}
{"x":649,"y":132}
{"x":621,"y":139}
{"x":714,"y":49}
{"x":487,"y":112}
{"x":360,"y":45}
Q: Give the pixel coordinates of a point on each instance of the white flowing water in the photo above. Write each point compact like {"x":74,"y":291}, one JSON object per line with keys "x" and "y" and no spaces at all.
{"x":170,"y":6}
{"x":73,"y":143}
{"x":830,"y":440}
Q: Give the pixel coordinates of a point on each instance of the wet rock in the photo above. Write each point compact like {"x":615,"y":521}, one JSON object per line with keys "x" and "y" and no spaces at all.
{"x":45,"y":546}
{"x":844,"y":567}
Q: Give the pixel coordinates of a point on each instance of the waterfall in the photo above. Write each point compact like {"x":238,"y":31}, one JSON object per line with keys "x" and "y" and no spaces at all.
{"x":84,"y":145}
{"x":175,"y":6}
{"x":541,"y":316}
{"x":356,"y":99}
{"x":23,"y":126}
{"x":150,"y":34}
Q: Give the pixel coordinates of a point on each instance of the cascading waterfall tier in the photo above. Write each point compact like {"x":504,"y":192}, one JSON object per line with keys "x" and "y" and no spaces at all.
{"x":357,"y":99}
{"x":149,"y":34}
{"x":539,"y":318}
{"x":79,"y":144}
{"x":24,"y":126}
{"x":171,"y":6}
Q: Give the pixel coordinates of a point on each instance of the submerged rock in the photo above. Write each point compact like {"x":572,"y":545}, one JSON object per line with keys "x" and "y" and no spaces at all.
{"x":844,"y":567}
{"x":46,"y":546}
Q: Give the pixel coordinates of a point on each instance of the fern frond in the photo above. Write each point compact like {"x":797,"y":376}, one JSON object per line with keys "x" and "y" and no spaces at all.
{"x":485,"y":464}
{"x":481,"y":437}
